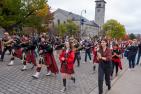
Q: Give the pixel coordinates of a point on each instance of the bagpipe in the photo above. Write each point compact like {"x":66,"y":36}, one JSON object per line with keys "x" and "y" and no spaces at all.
{"x":60,"y":46}
{"x":45,"y":52}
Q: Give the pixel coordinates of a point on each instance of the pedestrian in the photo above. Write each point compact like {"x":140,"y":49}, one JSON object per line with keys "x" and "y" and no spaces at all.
{"x":95,"y":62}
{"x":77,"y":52}
{"x":131,"y":56}
{"x":104,"y":58}
{"x":67,"y":64}
{"x":87,"y":46}
{"x":116,"y":61}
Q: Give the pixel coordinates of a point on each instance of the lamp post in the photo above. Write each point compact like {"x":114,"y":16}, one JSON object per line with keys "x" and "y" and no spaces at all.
{"x":82,"y":22}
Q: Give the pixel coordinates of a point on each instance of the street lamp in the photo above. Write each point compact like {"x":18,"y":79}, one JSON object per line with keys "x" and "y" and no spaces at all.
{"x":82,"y":22}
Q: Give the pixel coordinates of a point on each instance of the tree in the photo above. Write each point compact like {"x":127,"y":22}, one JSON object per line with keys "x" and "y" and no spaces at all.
{"x":69,"y":28}
{"x":132,"y":36}
{"x":61,"y":28}
{"x":14,"y":13}
{"x":72,"y":28}
{"x":114,"y":29}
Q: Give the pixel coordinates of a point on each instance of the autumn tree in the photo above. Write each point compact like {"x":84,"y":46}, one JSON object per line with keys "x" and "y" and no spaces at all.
{"x":15,"y":13}
{"x":114,"y":29}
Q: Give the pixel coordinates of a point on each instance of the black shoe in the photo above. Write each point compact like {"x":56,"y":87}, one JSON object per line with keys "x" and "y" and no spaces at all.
{"x":23,"y":69}
{"x":73,"y":79}
{"x":109,"y":87}
{"x":94,"y":67}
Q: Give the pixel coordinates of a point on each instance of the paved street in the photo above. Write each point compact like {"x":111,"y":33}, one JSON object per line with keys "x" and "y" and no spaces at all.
{"x":14,"y":81}
{"x":130,"y":83}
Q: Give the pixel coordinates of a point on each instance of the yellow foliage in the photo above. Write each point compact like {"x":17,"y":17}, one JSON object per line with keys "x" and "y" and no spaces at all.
{"x":43,"y":12}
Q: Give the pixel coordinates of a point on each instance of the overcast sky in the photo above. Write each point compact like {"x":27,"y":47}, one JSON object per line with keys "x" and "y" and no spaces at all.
{"x":128,"y":12}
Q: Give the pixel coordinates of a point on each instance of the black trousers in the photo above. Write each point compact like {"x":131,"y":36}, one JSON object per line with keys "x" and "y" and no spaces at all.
{"x":114,"y":66}
{"x":4,"y":50}
{"x":87,"y":53}
{"x":104,"y":70}
{"x":78,"y":58}
{"x":132,"y":61}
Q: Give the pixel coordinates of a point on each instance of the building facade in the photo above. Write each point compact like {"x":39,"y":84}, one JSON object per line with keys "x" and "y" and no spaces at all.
{"x":88,"y":28}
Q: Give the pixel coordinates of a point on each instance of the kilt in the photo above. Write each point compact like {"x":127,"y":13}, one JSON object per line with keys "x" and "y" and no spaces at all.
{"x":18,"y":53}
{"x":51,"y":63}
{"x":30,"y":58}
{"x":64,"y":69}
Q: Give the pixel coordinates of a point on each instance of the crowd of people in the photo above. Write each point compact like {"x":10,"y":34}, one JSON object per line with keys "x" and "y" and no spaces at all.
{"x":38,"y":50}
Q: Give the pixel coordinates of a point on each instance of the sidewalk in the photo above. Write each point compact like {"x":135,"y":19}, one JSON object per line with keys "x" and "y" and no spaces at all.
{"x":129,"y":83}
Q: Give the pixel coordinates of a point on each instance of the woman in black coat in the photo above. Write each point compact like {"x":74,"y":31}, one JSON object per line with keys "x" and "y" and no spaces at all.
{"x":131,"y":55}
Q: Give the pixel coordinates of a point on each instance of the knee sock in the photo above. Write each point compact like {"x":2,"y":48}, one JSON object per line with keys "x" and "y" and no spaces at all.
{"x":64,"y":82}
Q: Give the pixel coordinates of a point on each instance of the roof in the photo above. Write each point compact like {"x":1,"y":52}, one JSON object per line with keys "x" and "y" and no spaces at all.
{"x":76,"y":17}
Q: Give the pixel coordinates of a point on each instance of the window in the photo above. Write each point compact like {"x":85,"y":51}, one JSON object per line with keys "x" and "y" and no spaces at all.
{"x":99,"y":5}
{"x":58,"y":21}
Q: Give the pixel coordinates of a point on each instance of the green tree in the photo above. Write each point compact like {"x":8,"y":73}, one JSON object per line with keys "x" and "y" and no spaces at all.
{"x":132,"y":36}
{"x":61,"y":29}
{"x":114,"y":29}
{"x":15,"y":13}
{"x":72,"y":28}
{"x":69,"y":28}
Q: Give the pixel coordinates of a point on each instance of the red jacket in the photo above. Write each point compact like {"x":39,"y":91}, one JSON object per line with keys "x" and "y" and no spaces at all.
{"x":95,"y":55}
{"x":69,"y":59}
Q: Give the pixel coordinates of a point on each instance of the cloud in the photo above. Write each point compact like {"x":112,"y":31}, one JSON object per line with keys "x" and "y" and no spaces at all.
{"x":127,"y":12}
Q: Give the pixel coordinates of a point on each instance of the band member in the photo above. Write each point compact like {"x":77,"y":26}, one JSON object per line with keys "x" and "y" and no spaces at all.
{"x":67,"y":63}
{"x":47,"y":58}
{"x":16,"y":50}
{"x":29,"y":52}
{"x":7,"y":43}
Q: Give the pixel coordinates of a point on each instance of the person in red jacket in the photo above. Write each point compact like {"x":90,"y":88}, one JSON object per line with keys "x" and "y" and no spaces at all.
{"x":67,"y":63}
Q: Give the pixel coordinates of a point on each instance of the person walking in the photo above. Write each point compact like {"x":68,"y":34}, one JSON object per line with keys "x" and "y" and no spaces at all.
{"x":67,"y":57}
{"x":104,"y":58}
{"x":132,"y":51}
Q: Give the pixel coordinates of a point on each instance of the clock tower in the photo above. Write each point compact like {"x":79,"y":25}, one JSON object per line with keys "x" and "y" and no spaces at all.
{"x":100,"y":12}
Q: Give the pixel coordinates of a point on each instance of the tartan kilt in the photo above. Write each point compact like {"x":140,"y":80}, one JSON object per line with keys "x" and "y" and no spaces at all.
{"x":18,"y":53}
{"x":64,"y":69}
{"x":30,"y":58}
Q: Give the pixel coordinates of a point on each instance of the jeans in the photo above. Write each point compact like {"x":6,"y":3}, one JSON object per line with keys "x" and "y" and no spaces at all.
{"x":132,"y":62}
{"x":114,"y":65}
{"x":77,"y":57}
{"x":138,"y":58}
